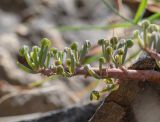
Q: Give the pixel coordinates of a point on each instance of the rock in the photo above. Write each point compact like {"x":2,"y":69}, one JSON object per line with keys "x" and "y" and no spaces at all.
{"x":122,"y":98}
{"x":10,"y":42}
{"x":43,"y":28}
{"x":19,"y":100}
{"x":8,"y":22}
{"x":113,"y":113}
{"x":73,"y":114}
{"x":22,"y":30}
{"x":25,"y":104}
{"x":13,"y":5}
{"x":138,"y":100}
{"x":146,"y":105}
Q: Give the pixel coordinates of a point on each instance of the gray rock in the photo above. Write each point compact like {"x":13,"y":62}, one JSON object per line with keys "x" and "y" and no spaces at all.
{"x":43,"y":28}
{"x":13,"y":5}
{"x":74,"y":114}
{"x":8,"y":22}
{"x":18,"y":100}
{"x":10,"y":42}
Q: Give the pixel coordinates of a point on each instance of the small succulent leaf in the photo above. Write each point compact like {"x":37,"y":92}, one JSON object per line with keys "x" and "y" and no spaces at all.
{"x":95,"y":95}
{"x":73,"y":61}
{"x":84,"y":50}
{"x":114,"y":42}
{"x":28,"y":59}
{"x":138,"y":38}
{"x":110,"y":88}
{"x":58,"y":62}
{"x":108,"y":81}
{"x":91,"y":72}
{"x":54,"y":52}
{"x":44,"y":56}
{"x":60,"y":70}
{"x":45,"y":44}
{"x":74,"y":46}
{"x":35,"y":55}
{"x":23,"y":50}
{"x":24,"y":68}
{"x":48,"y":60}
{"x":118,"y":60}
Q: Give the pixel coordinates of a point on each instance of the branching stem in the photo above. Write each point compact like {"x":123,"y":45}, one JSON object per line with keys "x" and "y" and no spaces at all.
{"x":128,"y":74}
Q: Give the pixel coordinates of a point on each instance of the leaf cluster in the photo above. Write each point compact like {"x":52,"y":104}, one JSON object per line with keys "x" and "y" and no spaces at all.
{"x":66,"y":62}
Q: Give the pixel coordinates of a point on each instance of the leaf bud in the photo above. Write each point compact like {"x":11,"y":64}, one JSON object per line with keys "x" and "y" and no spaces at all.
{"x":136,"y":34}
{"x":68,"y":62}
{"x":23,"y":50}
{"x":60,"y":70}
{"x":129,"y":43}
{"x":58,"y":62}
{"x":153,"y":27}
{"x":101,"y":42}
{"x":145,"y":24}
{"x":107,"y":43}
{"x":102,"y":60}
{"x":109,"y":50}
{"x":114,"y":40}
{"x":117,"y":58}
{"x":54,"y":51}
{"x":74,"y":46}
{"x":95,"y":95}
{"x":35,"y":49}
{"x":120,"y":51}
{"x":45,"y":42}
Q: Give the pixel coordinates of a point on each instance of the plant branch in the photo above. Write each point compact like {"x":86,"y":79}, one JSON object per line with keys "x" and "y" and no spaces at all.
{"x":152,"y":53}
{"x":128,"y":74}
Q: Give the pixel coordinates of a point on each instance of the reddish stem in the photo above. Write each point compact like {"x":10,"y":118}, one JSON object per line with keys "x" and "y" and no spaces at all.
{"x":128,"y":74}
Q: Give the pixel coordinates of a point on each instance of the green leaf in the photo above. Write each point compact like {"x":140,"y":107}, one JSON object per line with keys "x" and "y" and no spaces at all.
{"x":91,"y":72}
{"x":60,"y":55}
{"x":60,"y":70}
{"x":95,"y":95}
{"x":108,"y":81}
{"x":84,"y":51}
{"x":140,"y":11}
{"x":45,"y":43}
{"x":23,"y":50}
{"x":28,"y":59}
{"x":44,"y":56}
{"x":24,"y":68}
{"x":48,"y":59}
{"x":154,"y":17}
{"x":35,"y":56}
{"x":73,"y":63}
{"x":73,"y":60}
